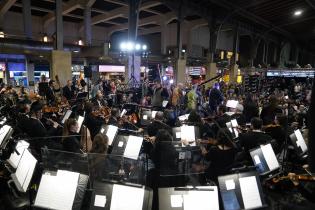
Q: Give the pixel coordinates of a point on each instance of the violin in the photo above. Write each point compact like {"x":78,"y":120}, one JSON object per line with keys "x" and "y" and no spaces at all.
{"x":103,"y":112}
{"x":50,"y":109}
{"x":294,"y":178}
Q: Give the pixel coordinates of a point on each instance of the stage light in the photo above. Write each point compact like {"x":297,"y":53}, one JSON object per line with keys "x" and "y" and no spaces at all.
{"x":130,"y":46}
{"x":183,"y":50}
{"x":171,"y":81}
{"x":45,"y":38}
{"x":298,"y":12}
{"x":1,"y":34}
{"x":123,"y":46}
{"x":144,"y":47}
{"x":138,"y":47}
{"x":164,"y":78}
{"x":80,"y":42}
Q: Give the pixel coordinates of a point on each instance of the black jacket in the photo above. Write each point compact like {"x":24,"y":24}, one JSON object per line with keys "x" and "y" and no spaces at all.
{"x":67,"y":92}
{"x":253,"y":139}
{"x":72,"y":143}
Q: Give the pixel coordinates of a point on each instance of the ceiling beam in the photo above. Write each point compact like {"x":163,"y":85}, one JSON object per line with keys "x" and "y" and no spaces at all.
{"x":119,"y":12}
{"x":70,"y":6}
{"x":5,"y":6}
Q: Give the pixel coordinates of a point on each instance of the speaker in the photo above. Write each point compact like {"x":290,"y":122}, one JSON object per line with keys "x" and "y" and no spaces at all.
{"x":87,"y":72}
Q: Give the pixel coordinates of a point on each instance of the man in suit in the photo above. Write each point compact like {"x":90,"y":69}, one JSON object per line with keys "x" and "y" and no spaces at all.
{"x":50,"y":92}
{"x":255,"y":137}
{"x":99,"y":101}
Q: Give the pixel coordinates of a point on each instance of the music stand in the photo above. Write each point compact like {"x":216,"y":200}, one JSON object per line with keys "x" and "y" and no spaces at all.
{"x":15,"y":158}
{"x":127,"y":146}
{"x":146,"y":116}
{"x":265,"y":160}
{"x":5,"y":133}
{"x":82,"y":95}
{"x":232,"y":126}
{"x":189,"y":198}
{"x":299,"y":143}
{"x":241,"y":191}
{"x":110,"y":131}
{"x":66,"y":116}
{"x":80,"y":122}
{"x":186,"y":132}
{"x":109,"y":195}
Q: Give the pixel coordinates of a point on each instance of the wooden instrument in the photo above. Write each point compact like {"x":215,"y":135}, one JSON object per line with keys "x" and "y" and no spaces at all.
{"x":50,"y":109}
{"x":294,"y":178}
{"x":103,"y":112}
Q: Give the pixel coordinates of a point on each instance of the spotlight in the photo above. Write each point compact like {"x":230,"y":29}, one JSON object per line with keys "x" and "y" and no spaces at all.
{"x":80,"y":42}
{"x":130,"y":46}
{"x":138,"y":46}
{"x":298,"y":12}
{"x":123,"y":46}
{"x":1,"y":34}
{"x":183,"y":50}
{"x":171,"y":81}
{"x":45,"y":38}
{"x":144,"y":47}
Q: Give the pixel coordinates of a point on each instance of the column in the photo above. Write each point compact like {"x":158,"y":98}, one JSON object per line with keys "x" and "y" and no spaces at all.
{"x":267,"y":52}
{"x":234,"y":66}
{"x":59,"y":25}
{"x":180,"y":69}
{"x":87,"y":26}
{"x":27,"y":18}
{"x":253,"y":49}
{"x":30,"y":71}
{"x":61,"y":65}
{"x":163,"y":38}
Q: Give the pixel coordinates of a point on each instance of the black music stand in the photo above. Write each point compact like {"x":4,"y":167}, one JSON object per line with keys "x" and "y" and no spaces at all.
{"x":241,"y":191}
{"x":299,"y":143}
{"x":107,"y":192}
{"x":127,"y":146}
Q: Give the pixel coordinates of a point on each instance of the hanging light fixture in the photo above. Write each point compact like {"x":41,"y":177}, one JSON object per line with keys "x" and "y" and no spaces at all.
{"x":80,"y":42}
{"x":45,"y":38}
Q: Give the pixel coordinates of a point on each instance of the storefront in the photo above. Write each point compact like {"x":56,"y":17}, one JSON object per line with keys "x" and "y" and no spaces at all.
{"x":18,"y":73}
{"x":40,"y":70}
{"x":112,"y":72}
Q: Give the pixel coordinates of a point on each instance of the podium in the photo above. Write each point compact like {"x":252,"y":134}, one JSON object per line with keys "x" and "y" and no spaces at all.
{"x":109,"y":195}
{"x":241,"y":191}
{"x":189,"y":198}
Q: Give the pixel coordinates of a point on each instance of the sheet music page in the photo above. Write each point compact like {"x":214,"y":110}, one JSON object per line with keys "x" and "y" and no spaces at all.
{"x":125,"y":197}
{"x":270,"y":156}
{"x":202,"y":200}
{"x":250,"y":192}
{"x":67,"y":115}
{"x":57,"y":192}
{"x":3,"y":132}
{"x":80,"y":121}
{"x":24,"y":169}
{"x":231,"y":104}
{"x":187,"y":133}
{"x":300,"y":140}
{"x":176,"y":201}
{"x":234,"y":123}
{"x":133,"y":147}
{"x":164,"y":103}
{"x":111,"y":133}
{"x":124,"y":111}
{"x":15,"y":158}
{"x":153,"y":114}
{"x":100,"y":201}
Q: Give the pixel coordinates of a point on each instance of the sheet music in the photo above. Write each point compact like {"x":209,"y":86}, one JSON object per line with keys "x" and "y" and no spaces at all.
{"x":133,"y":147}
{"x":3,"y":132}
{"x":176,"y":201}
{"x":111,"y":133}
{"x":100,"y":201}
{"x":57,"y":192}
{"x":250,"y":192}
{"x":270,"y":157}
{"x":124,"y":111}
{"x":154,"y":114}
{"x":257,"y":160}
{"x":145,"y":117}
{"x":300,"y":140}
{"x":80,"y":121}
{"x":164,"y":103}
{"x":202,"y":200}
{"x":187,"y":133}
{"x":15,"y":158}
{"x":67,"y":115}
{"x":25,"y":169}
{"x":230,"y":184}
{"x":125,"y":197}
{"x":234,"y":123}
{"x":183,"y":117}
{"x":178,"y":135}
{"x":231,"y":104}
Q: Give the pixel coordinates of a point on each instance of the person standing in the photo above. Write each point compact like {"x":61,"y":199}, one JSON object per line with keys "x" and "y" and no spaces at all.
{"x":159,"y":94}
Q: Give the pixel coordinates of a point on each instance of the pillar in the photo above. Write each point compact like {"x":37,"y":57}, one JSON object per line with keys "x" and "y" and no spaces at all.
{"x":253,"y":49}
{"x":163,"y":38}
{"x":59,"y":25}
{"x":27,"y":18}
{"x":61,"y":65}
{"x":211,"y":73}
{"x":234,"y":66}
{"x":87,"y":26}
{"x":181,"y":71}
{"x":267,"y":52}
{"x":30,"y":72}
{"x":213,"y":39}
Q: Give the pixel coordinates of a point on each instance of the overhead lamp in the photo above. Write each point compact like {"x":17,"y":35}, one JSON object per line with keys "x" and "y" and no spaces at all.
{"x":80,"y":42}
{"x":144,"y":47}
{"x":183,"y":50}
{"x":138,"y":47}
{"x":1,"y":34}
{"x":45,"y":38}
{"x":123,"y":46}
{"x":298,"y":12}
{"x":130,"y":46}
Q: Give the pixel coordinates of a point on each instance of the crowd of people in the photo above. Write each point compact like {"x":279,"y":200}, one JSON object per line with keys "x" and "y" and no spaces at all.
{"x":269,"y":115}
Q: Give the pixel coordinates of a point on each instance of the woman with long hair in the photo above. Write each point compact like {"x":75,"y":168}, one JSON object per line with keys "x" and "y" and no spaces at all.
{"x":100,"y":144}
{"x":71,"y":138}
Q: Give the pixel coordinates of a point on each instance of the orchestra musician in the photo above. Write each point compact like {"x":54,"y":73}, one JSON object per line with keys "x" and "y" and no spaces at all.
{"x":92,"y":122}
{"x":67,"y":91}
{"x":71,"y":137}
{"x":99,"y":100}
